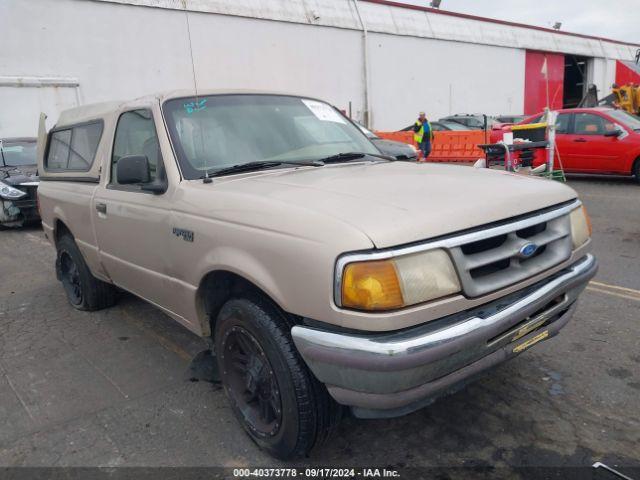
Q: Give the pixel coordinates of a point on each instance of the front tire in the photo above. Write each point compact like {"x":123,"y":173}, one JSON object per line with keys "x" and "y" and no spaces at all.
{"x":84,"y":291}
{"x":282,"y":407}
{"x":636,"y":171}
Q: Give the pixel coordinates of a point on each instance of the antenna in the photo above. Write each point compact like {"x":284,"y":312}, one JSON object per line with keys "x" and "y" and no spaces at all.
{"x":206,"y":178}
{"x":193,"y":66}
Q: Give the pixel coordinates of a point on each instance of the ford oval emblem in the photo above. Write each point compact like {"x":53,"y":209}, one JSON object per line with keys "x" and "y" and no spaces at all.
{"x":528,"y":250}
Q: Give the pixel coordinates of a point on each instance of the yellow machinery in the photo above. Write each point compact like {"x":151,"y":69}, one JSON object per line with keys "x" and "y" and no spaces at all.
{"x":627,"y":97}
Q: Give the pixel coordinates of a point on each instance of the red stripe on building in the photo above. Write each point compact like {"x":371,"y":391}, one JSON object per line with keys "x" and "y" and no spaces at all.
{"x":627,"y":72}
{"x":536,"y":93}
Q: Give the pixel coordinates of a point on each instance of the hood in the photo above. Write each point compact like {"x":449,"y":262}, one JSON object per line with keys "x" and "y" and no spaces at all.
{"x":19,"y":174}
{"x":394,"y":148}
{"x":395,"y":203}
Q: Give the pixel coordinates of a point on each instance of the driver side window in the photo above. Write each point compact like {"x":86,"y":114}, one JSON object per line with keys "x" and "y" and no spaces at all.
{"x":136,"y":135}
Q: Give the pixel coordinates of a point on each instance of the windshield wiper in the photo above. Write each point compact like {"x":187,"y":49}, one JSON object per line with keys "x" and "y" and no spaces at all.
{"x":348,"y":156}
{"x":259,"y":165}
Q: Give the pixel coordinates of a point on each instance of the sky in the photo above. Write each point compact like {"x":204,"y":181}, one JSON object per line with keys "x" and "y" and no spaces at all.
{"x":614,"y":19}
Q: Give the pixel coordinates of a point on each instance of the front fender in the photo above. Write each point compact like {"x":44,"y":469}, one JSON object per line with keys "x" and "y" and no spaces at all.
{"x":245,"y":265}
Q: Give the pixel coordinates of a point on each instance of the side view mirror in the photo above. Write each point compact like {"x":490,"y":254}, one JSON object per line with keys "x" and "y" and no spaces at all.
{"x":614,"y":133}
{"x":133,"y":169}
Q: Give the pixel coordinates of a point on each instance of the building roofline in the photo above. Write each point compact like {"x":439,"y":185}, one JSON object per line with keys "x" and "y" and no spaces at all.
{"x":467,"y":16}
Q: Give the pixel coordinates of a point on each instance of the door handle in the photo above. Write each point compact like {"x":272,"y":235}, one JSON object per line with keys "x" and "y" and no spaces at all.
{"x":101,"y":207}
{"x":580,"y":140}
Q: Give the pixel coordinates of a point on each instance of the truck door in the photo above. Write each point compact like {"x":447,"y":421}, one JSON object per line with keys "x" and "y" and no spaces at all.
{"x":131,"y":223}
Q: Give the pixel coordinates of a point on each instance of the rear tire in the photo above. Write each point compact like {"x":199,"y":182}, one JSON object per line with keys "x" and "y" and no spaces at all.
{"x":84,"y":291}
{"x":279,"y":403}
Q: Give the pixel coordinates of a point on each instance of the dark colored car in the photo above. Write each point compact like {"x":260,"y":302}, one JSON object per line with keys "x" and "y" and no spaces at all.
{"x":472,"y":122}
{"x":18,"y":182}
{"x":446,"y":126}
{"x":400,"y":150}
{"x":508,"y":118}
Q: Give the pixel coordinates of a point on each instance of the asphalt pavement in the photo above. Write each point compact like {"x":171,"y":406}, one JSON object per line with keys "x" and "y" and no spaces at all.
{"x":112,"y":388}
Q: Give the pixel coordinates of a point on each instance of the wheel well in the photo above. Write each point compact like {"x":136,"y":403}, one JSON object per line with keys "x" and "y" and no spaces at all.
{"x":219,"y":286}
{"x":60,"y":230}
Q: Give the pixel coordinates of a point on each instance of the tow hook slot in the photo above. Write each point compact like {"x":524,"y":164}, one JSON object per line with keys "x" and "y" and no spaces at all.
{"x":540,"y":318}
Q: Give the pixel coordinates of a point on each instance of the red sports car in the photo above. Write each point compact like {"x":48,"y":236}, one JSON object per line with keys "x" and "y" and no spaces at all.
{"x":593,"y":140}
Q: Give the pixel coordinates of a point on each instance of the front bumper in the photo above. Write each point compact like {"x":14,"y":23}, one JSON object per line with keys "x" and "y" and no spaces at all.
{"x":386,"y":375}
{"x":20,"y":211}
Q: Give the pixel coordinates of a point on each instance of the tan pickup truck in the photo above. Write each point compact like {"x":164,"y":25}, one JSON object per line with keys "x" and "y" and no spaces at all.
{"x":326,"y":274}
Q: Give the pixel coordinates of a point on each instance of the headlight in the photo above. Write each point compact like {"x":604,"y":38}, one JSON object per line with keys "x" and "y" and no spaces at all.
{"x":9,"y":193}
{"x":398,"y":282}
{"x":580,"y":226}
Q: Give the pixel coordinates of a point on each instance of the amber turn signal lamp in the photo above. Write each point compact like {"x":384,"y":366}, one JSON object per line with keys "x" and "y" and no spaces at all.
{"x":371,"y":286}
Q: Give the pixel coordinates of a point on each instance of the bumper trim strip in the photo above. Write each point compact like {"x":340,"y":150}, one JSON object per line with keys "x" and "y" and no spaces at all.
{"x":378,"y":345}
{"x":396,"y":362}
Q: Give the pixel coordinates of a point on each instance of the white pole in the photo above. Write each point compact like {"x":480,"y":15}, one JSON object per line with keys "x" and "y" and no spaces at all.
{"x":551,"y":126}
{"x":545,"y":72}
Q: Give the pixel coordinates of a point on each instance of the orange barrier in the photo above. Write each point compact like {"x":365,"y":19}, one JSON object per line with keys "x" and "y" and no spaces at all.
{"x":457,"y":146}
{"x":450,"y":146}
{"x":404,"y":137}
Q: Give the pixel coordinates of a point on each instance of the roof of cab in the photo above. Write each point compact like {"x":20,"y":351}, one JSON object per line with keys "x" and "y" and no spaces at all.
{"x":85,"y":113}
{"x":93,"y":111}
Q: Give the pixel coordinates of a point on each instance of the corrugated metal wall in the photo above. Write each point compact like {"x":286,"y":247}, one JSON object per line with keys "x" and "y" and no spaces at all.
{"x":384,"y":17}
{"x":417,"y":60}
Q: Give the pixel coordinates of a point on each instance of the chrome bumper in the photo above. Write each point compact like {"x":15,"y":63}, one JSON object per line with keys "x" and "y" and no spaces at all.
{"x":385,"y":375}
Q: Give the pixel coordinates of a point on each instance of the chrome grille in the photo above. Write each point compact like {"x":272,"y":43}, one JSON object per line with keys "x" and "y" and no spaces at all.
{"x":497,"y":261}
{"x":487,"y":259}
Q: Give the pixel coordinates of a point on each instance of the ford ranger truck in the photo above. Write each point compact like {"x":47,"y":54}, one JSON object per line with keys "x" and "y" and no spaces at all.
{"x":327,"y":276}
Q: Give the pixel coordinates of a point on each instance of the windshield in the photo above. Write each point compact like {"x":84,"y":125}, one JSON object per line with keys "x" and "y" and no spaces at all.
{"x":627,"y":119}
{"x":454,"y":126}
{"x":16,"y":153}
{"x":210,"y":133}
{"x":474,"y":122}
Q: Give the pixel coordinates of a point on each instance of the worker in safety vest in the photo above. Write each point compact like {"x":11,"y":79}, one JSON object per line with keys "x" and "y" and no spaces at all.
{"x":423,"y":134}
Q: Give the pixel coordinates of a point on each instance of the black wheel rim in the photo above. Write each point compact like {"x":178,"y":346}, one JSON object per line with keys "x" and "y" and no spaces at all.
{"x":71,"y":278}
{"x":251,"y":382}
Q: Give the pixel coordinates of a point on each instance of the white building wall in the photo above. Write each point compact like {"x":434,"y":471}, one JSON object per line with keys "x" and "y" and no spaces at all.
{"x":114,"y":51}
{"x":410,"y":74}
{"x":127,"y":48}
{"x":323,"y":62}
{"x":383,"y":18}
{"x":602,"y":74}
{"x":119,"y":51}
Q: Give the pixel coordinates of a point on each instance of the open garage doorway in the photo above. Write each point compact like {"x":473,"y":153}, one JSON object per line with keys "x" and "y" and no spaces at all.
{"x":555,"y":80}
{"x":575,"y":80}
